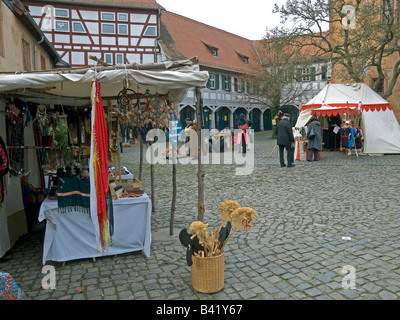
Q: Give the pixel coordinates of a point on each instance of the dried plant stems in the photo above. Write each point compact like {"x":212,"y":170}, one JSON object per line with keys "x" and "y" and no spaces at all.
{"x":222,"y":248}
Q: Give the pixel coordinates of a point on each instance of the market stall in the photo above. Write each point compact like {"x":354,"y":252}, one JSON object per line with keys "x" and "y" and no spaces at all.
{"x":130,"y":93}
{"x":363,"y":120}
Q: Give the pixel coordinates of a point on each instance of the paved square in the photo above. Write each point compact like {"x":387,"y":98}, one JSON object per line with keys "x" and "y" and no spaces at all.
{"x":295,"y":250}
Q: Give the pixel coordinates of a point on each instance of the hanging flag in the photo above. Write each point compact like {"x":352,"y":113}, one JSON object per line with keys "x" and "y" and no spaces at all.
{"x":98,"y":168}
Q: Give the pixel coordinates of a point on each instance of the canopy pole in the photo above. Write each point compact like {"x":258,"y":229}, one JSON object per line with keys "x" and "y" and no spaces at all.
{"x":200,"y":173}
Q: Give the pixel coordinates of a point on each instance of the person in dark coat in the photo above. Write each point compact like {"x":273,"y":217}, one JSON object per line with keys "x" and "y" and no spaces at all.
{"x":314,"y":136}
{"x":285,"y":139}
{"x":333,"y":138}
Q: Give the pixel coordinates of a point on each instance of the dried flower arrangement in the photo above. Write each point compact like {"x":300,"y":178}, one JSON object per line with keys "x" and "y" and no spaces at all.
{"x":203,"y":244}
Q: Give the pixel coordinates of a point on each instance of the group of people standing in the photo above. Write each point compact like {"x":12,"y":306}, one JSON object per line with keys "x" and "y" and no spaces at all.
{"x":285,"y":139}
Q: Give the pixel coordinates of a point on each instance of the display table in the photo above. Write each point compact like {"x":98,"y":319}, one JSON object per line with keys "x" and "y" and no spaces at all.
{"x":71,"y":235}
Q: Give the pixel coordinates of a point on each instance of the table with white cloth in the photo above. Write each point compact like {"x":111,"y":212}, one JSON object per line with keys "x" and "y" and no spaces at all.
{"x":71,"y":235}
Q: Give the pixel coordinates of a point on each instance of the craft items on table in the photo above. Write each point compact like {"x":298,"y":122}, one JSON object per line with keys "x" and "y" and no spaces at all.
{"x":205,"y":251}
{"x":73,"y":193}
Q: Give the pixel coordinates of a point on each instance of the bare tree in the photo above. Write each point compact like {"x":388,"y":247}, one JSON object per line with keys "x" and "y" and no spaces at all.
{"x":358,"y":36}
{"x":281,"y":75}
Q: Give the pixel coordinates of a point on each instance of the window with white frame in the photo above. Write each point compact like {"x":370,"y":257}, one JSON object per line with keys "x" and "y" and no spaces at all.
{"x":150,"y":31}
{"x":61,"y":13}
{"x":108,"y":58}
{"x":308,"y":74}
{"x":119,"y":58}
{"x":287,"y":76}
{"x":213,"y":81}
{"x":123,"y":29}
{"x":238,"y":85}
{"x":108,"y":28}
{"x":77,"y":27}
{"x":61,"y":25}
{"x":122,"y":17}
{"x":324,"y":73}
{"x":226,"y":83}
{"x":108,"y":16}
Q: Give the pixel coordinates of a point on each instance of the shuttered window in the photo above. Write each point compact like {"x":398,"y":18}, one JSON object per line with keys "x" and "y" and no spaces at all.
{"x":226,"y":83}
{"x":213,"y":81}
{"x":26,"y":55}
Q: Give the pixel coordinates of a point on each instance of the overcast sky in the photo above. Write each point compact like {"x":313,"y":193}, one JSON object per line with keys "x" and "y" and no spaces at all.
{"x":246,"y":18}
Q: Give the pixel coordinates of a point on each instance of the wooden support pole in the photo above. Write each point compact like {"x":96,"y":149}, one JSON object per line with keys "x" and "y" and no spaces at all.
{"x":153,"y":195}
{"x":200,"y":173}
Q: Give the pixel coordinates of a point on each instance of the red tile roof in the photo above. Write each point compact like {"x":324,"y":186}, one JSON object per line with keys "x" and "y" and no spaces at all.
{"x":182,"y":37}
{"x":143,"y":4}
{"x":291,"y":49}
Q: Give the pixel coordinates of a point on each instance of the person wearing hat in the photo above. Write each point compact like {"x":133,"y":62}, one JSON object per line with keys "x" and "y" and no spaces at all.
{"x":285,"y":139}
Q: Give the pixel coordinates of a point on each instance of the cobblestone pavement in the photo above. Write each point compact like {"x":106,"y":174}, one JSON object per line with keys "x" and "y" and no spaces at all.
{"x":295,"y":250}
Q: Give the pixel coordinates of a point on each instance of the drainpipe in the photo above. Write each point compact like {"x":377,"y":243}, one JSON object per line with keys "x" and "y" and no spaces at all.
{"x":156,"y":42}
{"x":34,"y":52}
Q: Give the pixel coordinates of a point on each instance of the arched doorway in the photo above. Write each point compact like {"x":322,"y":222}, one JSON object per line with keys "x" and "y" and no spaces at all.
{"x":207,"y":118}
{"x":293,"y":111}
{"x":255,"y":116}
{"x":236,"y":116}
{"x":267,"y":119}
{"x":222,"y":118}
{"x":187,"y":112}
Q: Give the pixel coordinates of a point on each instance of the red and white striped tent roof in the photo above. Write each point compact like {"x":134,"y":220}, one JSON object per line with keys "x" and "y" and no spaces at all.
{"x":380,"y":127}
{"x":349,"y":98}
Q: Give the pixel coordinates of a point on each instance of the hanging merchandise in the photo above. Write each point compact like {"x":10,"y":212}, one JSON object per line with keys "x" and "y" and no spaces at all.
{"x":125,"y":98}
{"x":12,"y":113}
{"x":4,"y":165}
{"x":41,"y":116}
{"x":4,"y":161}
{"x":98,"y":169}
{"x":32,"y":198}
{"x":15,"y":136}
{"x":27,"y":114}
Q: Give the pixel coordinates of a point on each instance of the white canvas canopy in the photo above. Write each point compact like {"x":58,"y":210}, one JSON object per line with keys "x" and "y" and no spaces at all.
{"x":163,"y":78}
{"x":380,"y":127}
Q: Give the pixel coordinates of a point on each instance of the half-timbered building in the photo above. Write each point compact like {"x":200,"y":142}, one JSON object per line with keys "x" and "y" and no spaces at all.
{"x":117,"y":32}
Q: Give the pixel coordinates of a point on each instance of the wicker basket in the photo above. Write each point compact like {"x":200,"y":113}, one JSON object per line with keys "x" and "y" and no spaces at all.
{"x":208,"y":273}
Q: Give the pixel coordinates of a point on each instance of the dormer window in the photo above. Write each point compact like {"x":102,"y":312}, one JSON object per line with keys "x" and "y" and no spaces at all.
{"x":244,"y":58}
{"x":213,"y":50}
